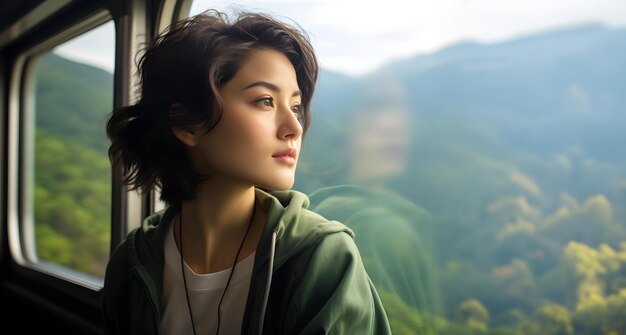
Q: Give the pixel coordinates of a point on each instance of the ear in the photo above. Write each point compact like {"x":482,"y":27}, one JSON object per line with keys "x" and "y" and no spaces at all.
{"x":185,"y":135}
{"x":188,"y":136}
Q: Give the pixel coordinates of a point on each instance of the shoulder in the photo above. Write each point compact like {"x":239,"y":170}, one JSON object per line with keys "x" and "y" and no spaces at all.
{"x":339,"y":243}
{"x":338,"y":256}
{"x":311,"y":231}
{"x":119,"y":265}
{"x":143,"y":247}
{"x":332,"y":259}
{"x":316,"y":221}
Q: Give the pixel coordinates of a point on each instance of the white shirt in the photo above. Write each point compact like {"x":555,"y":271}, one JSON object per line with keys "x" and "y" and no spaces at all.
{"x":205,"y":291}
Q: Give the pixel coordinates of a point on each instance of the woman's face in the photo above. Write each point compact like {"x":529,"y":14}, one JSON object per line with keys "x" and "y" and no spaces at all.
{"x":258,"y":138}
{"x":381,"y":135}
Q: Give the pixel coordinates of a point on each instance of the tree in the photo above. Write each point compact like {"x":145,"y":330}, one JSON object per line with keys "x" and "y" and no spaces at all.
{"x":475,"y":316}
{"x":586,"y":267}
{"x":590,"y":316}
{"x":473,"y":309}
{"x":402,"y":318}
{"x":554,"y":319}
{"x":616,"y":312}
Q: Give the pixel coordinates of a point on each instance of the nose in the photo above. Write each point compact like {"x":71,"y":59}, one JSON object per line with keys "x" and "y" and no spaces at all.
{"x":289,"y":127}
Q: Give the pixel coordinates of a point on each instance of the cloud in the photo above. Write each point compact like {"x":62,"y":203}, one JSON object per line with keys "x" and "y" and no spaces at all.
{"x":356,"y":36}
{"x":96,"y":47}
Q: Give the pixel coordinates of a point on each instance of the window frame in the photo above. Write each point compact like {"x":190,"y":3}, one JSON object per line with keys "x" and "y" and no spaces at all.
{"x":20,"y":224}
{"x":65,"y":303}
{"x":68,"y":302}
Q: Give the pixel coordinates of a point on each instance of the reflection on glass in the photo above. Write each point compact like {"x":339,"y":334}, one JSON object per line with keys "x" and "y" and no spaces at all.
{"x":496,"y":170}
{"x":498,"y":161}
{"x":392,"y":233}
{"x":380,"y":135}
{"x":71,"y":187}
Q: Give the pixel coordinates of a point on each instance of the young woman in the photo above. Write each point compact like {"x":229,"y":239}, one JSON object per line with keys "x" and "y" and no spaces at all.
{"x":223,"y":110}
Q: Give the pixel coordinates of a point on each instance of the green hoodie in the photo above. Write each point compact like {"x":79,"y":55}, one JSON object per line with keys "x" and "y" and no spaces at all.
{"x":308,"y":277}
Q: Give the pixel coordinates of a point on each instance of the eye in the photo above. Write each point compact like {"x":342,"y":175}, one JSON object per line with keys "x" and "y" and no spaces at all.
{"x":266,"y":102}
{"x":297,"y":109}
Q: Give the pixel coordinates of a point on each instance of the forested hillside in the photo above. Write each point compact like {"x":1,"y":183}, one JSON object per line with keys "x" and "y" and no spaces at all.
{"x":517,"y":152}
{"x":500,"y":168}
{"x":72,"y":174}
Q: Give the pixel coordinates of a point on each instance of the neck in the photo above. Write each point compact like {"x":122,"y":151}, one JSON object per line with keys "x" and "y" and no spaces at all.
{"x":219,"y":207}
{"x":214,"y":225}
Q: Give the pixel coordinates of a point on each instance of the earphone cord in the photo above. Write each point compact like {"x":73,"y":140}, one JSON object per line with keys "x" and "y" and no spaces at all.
{"x":182,"y":268}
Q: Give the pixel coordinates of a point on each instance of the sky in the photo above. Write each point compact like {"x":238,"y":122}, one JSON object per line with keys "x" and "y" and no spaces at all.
{"x":354,"y":37}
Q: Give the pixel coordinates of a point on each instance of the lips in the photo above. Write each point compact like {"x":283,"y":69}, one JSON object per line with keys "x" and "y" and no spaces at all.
{"x":291,"y":152}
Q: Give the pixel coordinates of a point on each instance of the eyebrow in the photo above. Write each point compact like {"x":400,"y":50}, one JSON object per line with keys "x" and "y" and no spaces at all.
{"x":271,"y":87}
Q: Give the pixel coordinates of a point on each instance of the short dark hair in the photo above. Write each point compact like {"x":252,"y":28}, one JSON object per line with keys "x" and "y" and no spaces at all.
{"x":180,"y":74}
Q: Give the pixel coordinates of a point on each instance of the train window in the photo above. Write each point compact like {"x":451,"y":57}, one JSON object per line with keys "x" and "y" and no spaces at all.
{"x":67,"y":182}
{"x":477,"y":150}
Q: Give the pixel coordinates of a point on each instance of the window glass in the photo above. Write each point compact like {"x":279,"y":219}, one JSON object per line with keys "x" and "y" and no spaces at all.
{"x":477,"y":150}
{"x":70,"y":182}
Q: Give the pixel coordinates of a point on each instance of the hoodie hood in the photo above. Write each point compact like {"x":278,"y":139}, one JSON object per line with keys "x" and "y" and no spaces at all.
{"x":297,"y":228}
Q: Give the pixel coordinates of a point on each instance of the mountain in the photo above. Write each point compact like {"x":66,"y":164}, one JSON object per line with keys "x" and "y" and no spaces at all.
{"x":73,"y":100}
{"x":568,"y":79}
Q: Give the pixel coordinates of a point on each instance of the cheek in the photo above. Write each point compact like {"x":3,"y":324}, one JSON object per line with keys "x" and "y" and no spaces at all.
{"x":252,"y":134}
{"x":238,"y":138}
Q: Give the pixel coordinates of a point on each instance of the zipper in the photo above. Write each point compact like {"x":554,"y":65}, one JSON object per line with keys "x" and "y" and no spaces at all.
{"x":268,"y":285}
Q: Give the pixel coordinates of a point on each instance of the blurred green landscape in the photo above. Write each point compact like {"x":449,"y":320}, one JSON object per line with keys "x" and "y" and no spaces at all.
{"x":496,"y":206}
{"x":72,"y":174}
